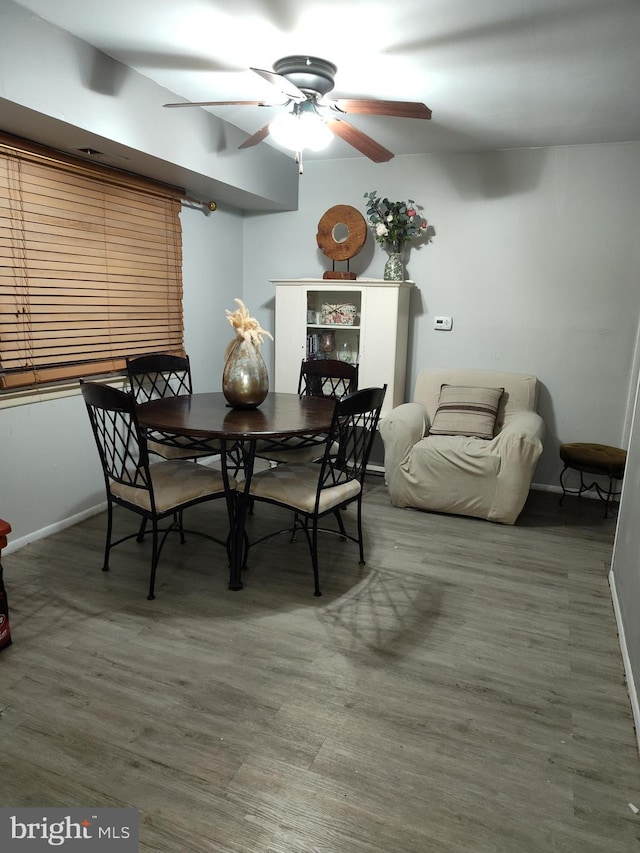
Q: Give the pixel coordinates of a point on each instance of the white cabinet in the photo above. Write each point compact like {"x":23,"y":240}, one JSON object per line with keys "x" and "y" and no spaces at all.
{"x":374,"y":334}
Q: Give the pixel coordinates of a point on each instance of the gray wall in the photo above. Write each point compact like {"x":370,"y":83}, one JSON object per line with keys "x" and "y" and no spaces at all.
{"x":534,"y":257}
{"x":212,"y":269}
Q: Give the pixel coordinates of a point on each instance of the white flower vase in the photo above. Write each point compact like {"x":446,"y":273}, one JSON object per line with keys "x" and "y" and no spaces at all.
{"x":394,"y":267}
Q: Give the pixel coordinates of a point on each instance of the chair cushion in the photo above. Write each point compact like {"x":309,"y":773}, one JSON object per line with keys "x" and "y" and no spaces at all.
{"x":466,"y":410}
{"x":174,"y":483}
{"x":594,"y":458}
{"x":296,"y":485}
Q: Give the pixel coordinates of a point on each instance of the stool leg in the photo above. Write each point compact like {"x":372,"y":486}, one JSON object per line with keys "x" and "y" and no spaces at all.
{"x":583,"y":487}
{"x":608,"y":498}
{"x":564,"y":491}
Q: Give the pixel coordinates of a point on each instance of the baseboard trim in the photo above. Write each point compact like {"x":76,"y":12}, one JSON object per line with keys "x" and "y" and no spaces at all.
{"x":543,"y":487}
{"x":626,"y":661}
{"x":52,"y":528}
{"x":591,"y":494}
{"x":375,"y":468}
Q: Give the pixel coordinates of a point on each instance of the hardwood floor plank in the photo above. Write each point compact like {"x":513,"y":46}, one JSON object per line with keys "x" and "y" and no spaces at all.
{"x":463,"y":692}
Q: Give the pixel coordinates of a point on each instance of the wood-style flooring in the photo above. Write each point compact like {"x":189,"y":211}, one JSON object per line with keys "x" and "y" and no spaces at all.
{"x":461,"y":693}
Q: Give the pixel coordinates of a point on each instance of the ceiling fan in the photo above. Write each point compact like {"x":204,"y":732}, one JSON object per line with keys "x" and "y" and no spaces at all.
{"x":311,"y":118}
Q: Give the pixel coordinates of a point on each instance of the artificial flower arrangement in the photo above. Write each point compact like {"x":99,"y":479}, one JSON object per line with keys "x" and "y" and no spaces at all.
{"x":394,"y":223}
{"x":246,"y":327}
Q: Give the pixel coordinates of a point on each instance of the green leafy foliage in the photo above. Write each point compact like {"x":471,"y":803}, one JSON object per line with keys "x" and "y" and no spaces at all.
{"x":394,"y":223}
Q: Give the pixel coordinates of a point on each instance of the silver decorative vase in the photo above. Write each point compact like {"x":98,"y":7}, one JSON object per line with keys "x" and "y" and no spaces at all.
{"x":245,"y":382}
{"x":394,"y":267}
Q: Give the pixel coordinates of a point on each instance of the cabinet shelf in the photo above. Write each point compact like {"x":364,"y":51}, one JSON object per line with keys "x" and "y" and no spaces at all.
{"x":341,"y":326}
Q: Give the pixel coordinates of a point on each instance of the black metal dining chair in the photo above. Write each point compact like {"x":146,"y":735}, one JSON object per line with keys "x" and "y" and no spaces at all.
{"x":154,"y":492}
{"x":318,"y":378}
{"x":152,"y":377}
{"x":316,"y":490}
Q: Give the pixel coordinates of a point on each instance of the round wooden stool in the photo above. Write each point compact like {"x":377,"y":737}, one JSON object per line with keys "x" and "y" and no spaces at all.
{"x":588,"y":458}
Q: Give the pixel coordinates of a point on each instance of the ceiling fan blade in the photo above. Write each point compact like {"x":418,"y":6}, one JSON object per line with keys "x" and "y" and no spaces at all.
{"x":373,"y":107}
{"x":219,"y":104}
{"x":281,"y":83}
{"x":360,"y":141}
{"x":257,"y":137}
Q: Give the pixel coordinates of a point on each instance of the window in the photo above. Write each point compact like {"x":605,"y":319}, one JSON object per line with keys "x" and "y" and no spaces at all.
{"x":90,"y":267}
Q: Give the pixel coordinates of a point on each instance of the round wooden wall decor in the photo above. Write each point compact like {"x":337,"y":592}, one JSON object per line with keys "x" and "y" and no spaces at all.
{"x":342,"y":232}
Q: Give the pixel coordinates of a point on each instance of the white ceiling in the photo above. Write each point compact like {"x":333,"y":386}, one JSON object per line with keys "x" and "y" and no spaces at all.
{"x":496,"y":73}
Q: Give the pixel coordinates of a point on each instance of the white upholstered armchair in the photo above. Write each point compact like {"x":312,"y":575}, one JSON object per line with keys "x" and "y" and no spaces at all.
{"x":456,"y":471}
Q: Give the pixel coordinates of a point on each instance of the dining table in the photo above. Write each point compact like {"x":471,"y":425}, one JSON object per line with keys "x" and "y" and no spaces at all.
{"x":281,"y":420}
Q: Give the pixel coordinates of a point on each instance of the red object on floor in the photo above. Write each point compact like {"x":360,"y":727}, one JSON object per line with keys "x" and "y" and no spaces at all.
{"x":5,"y":631}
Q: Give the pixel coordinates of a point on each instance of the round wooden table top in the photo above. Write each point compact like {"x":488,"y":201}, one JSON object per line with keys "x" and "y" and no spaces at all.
{"x":210,"y":416}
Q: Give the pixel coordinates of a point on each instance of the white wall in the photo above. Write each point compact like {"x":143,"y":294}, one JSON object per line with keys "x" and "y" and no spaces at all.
{"x":625,"y":568}
{"x":535,"y":257}
{"x":49,"y":469}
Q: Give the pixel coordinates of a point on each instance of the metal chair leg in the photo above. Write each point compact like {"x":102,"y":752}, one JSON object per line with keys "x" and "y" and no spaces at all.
{"x":154,"y":562}
{"x":314,"y":558}
{"x":107,"y":546}
{"x":141,"y":531}
{"x":564,"y":491}
{"x":360,"y":540}
{"x":608,"y":498}
{"x":341,"y":526}
{"x":177,"y":518}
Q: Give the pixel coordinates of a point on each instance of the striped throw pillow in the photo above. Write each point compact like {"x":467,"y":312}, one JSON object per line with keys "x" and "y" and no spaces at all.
{"x":466,"y":410}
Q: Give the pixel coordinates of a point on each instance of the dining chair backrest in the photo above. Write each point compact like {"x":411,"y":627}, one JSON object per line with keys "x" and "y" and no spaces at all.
{"x":159,"y":375}
{"x":327,"y":378}
{"x":351,"y":436}
{"x":121,"y":446}
{"x":152,"y":377}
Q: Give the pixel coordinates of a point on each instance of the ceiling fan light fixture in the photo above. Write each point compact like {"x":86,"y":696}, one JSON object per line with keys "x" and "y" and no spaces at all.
{"x":302,"y":128}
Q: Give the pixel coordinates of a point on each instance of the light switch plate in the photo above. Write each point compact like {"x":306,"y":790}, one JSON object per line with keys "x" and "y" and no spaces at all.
{"x":444,"y":324}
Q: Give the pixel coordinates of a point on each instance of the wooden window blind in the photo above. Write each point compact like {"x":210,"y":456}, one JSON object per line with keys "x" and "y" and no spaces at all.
{"x":90,"y":267}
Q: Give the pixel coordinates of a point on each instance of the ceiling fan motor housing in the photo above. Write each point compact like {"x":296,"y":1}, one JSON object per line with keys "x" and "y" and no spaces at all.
{"x":308,"y":73}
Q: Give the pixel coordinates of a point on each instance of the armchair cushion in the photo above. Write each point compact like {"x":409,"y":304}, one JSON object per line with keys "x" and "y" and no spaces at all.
{"x":466,"y":410}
